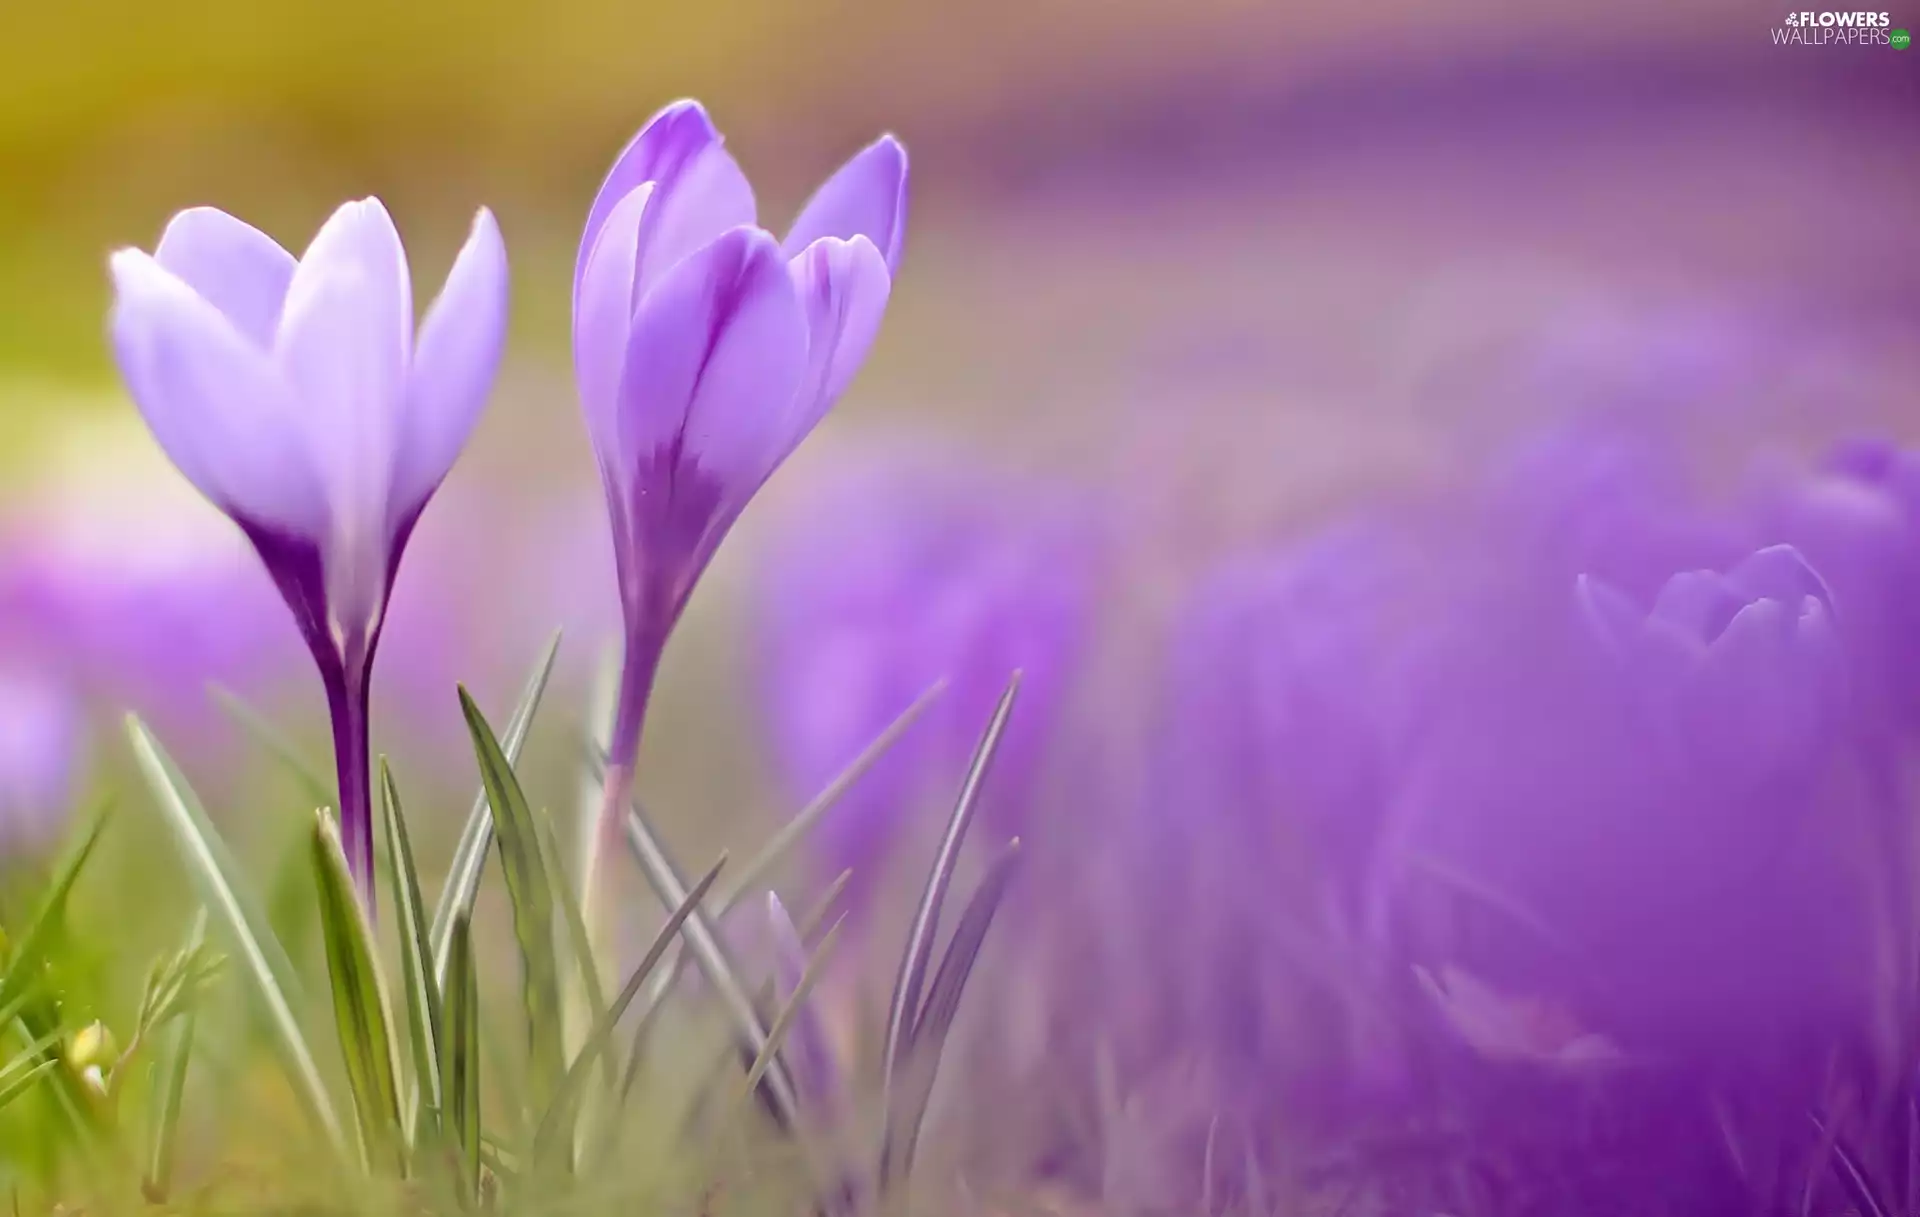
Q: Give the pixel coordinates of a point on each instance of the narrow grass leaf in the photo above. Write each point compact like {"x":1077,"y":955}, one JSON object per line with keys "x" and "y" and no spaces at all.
{"x":169,"y":1074}
{"x":795,"y":1009}
{"x":20,"y":993}
{"x":903,"y":1009}
{"x":942,"y":1005}
{"x":715,"y":962}
{"x":319,"y":789}
{"x":795,"y":830}
{"x":28,"y":1058}
{"x":422,"y":990}
{"x":38,"y":1022}
{"x":29,"y":956}
{"x":213,"y":871}
{"x":360,"y":1008}
{"x":532,"y":899}
{"x":460,"y":1062}
{"x":476,"y":837}
{"x":1851,"y":1173}
{"x":807,"y":928}
{"x":579,"y":942}
{"x":14,"y":1084}
{"x":557,"y":1124}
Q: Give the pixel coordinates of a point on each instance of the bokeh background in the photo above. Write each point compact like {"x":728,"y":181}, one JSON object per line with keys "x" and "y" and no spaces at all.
{"x":1244,"y":261}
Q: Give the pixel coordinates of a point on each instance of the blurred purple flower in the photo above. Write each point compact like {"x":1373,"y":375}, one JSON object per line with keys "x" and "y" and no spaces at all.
{"x":1744,"y":670}
{"x":1283,"y":691}
{"x":295,"y":396}
{"x":1858,"y":520}
{"x":1634,"y":812}
{"x":123,"y":582}
{"x":1592,"y":498}
{"x":894,"y":572}
{"x":42,"y":735}
{"x":705,"y":351}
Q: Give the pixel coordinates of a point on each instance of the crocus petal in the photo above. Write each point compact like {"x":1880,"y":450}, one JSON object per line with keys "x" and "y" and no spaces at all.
{"x":234,"y":266}
{"x":1608,"y":613}
{"x":682,"y":154}
{"x":1699,"y":602}
{"x":843,"y":286}
{"x":866,"y":198}
{"x":343,"y":346}
{"x":717,"y":352}
{"x":603,"y":319}
{"x":1778,"y":571}
{"x":214,"y":402}
{"x":453,"y":367}
{"x":709,"y":196}
{"x":1748,"y":705}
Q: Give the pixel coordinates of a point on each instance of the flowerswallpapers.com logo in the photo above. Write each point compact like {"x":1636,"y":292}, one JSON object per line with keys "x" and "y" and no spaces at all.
{"x":1840,"y":29}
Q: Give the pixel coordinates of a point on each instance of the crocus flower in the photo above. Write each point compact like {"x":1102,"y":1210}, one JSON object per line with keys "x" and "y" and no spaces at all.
{"x":1614,"y":807}
{"x":1281,"y":693}
{"x":1744,"y":668}
{"x":705,"y":351}
{"x":1590,"y":497}
{"x":896,"y":571}
{"x":297,"y":397}
{"x":1857,"y":518}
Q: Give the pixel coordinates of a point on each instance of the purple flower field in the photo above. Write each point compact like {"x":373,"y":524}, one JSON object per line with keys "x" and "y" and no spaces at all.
{"x":1343,"y":646}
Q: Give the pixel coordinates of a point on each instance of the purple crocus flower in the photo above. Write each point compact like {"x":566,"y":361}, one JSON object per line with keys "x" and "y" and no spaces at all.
{"x":297,"y":397}
{"x":1858,"y":520}
{"x":705,"y":351}
{"x":1282,"y":690}
{"x":1590,"y":496}
{"x":1615,"y":807}
{"x":1743,"y":669}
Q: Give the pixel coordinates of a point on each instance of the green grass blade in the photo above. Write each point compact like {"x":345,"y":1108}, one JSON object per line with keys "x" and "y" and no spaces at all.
{"x":12,"y":1087}
{"x":795,"y":1007}
{"x":460,"y":1063}
{"x":555,"y":1132}
{"x":19,"y":988}
{"x":422,"y":991}
{"x":360,"y":1008}
{"x":30,"y":1057}
{"x":795,"y":830}
{"x":903,"y":1010}
{"x":214,"y":873}
{"x":532,"y":899}
{"x":929,"y":1036}
{"x":816,"y":914}
{"x":317,"y":787}
{"x":38,"y":1022}
{"x":715,"y":963}
{"x":476,"y":837}
{"x":29,"y":955}
{"x":169,"y":1074}
{"x":579,"y":942}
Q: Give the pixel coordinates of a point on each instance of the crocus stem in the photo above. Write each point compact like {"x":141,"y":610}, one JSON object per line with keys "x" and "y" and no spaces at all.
{"x":347,"y":705}
{"x":637,"y":670}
